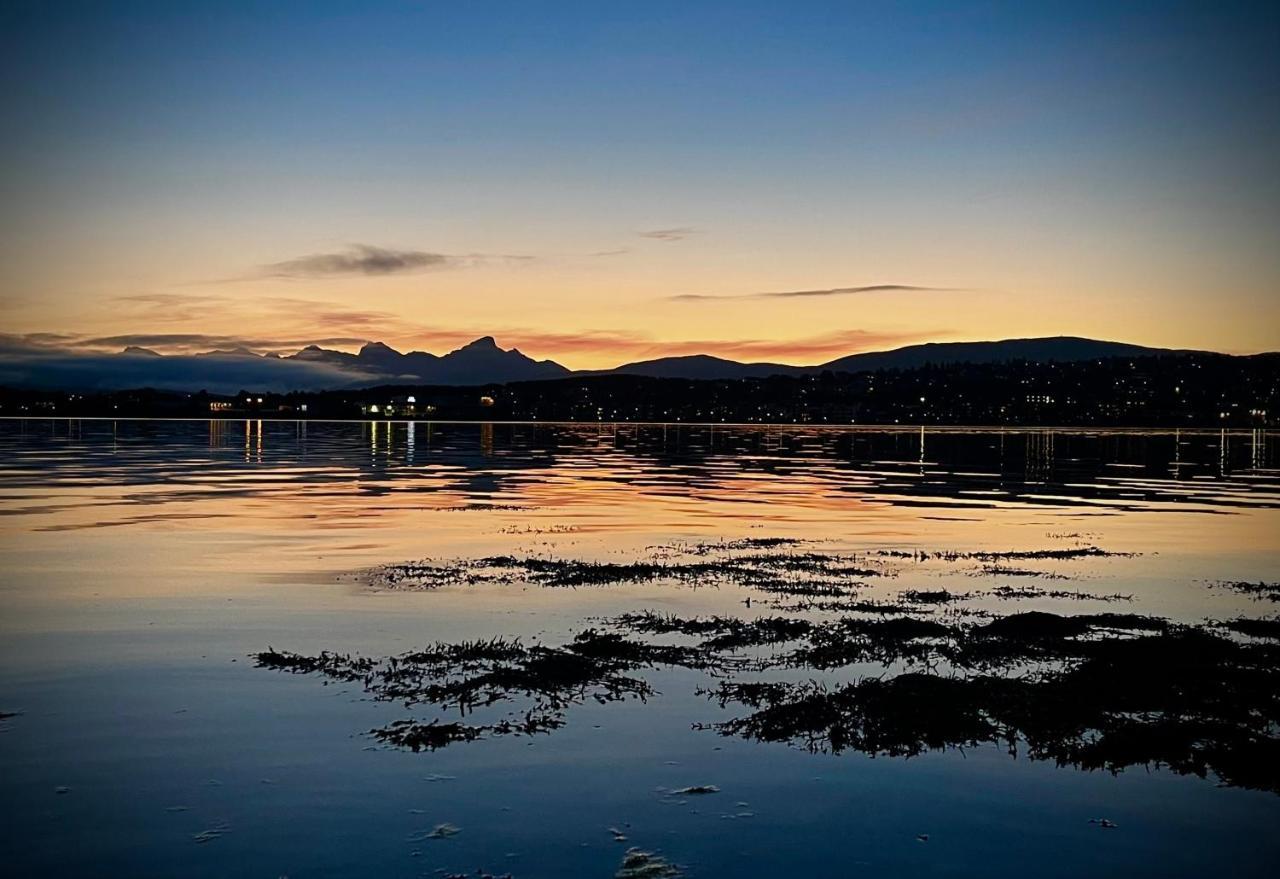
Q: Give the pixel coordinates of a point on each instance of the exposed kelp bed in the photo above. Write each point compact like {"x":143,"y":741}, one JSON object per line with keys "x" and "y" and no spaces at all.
{"x":787,"y":570}
{"x":1259,"y":591}
{"x":828,"y":671}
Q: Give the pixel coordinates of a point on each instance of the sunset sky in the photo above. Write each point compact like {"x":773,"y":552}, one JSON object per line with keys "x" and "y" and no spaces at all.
{"x":602,"y":182}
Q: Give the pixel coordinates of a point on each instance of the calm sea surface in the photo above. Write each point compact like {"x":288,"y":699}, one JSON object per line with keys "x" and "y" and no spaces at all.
{"x":147,"y":564}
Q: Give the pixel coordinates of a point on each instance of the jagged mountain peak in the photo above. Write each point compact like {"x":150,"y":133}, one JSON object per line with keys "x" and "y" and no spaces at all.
{"x":484,"y":343}
{"x":376,"y":348}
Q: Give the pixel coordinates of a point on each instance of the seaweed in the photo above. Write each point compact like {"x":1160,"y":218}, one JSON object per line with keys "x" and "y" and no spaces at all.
{"x":1183,"y":698}
{"x":474,"y":674}
{"x":217,"y":831}
{"x":417,"y":736}
{"x":1255,"y":628}
{"x":728,"y":633}
{"x":694,"y":790}
{"x":948,"y":555}
{"x":933,"y":596}
{"x":638,"y":864}
{"x":1014,"y":593}
{"x":850,"y":639}
{"x":1095,"y":691}
{"x":799,"y":573}
{"x":1260,"y":591}
{"x":998,"y":570}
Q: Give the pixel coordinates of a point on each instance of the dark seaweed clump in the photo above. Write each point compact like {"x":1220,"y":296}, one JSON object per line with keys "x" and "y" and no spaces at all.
{"x":780,"y":566}
{"x":722,"y":633}
{"x":998,"y":564}
{"x":1263,"y":628}
{"x":1259,"y":591}
{"x":1095,"y":691}
{"x":1013,"y":593}
{"x":933,"y":596}
{"x":1178,"y":697}
{"x":638,"y":864}
{"x":478,"y":674}
{"x":788,"y":572}
{"x":920,"y":555}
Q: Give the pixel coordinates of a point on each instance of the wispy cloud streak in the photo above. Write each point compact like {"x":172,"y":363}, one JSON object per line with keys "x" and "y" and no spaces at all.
{"x":679,"y":233}
{"x":365,"y":259}
{"x":806,"y":294}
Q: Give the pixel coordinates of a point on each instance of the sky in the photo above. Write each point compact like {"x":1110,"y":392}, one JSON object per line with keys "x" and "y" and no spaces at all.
{"x":603,"y":182}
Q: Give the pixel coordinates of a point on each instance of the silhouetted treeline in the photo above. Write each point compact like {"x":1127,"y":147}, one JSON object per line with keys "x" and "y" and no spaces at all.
{"x":1201,"y":390}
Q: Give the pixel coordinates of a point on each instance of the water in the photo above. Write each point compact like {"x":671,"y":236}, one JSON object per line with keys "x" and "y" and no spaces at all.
{"x":146,"y":563}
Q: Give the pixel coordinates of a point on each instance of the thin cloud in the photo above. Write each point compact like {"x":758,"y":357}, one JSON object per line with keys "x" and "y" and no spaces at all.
{"x":678,"y":233}
{"x":805,"y":294}
{"x":293,"y":317}
{"x":359,"y":259}
{"x":371,"y":261}
{"x":197,"y":343}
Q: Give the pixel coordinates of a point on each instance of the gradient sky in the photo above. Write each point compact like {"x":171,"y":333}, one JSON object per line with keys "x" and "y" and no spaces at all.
{"x":600,"y":182}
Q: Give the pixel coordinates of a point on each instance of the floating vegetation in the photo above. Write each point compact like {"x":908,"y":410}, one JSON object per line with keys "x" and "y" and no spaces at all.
{"x":933,"y":596}
{"x":217,"y":831}
{"x":1259,"y":591}
{"x":477,"y":674}
{"x":1099,"y":690}
{"x":1182,"y":698}
{"x":727,"y":633}
{"x":781,"y":566}
{"x":440,"y":831}
{"x":730,"y":545}
{"x":848,"y":605}
{"x":695,"y":790}
{"x":1078,"y":552}
{"x":1254,"y":628}
{"x":1014,"y":593}
{"x":997,"y":570}
{"x":947,"y":555}
{"x":788,"y":572}
{"x":431,"y":736}
{"x":1104,"y":690}
{"x":638,"y":864}
{"x":849,"y":640}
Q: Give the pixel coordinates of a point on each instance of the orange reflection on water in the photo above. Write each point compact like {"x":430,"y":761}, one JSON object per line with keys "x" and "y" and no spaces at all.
{"x":306,"y":499}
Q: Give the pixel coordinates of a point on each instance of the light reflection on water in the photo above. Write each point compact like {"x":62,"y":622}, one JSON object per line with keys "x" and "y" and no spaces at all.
{"x":145,"y":559}
{"x":1216,"y":470}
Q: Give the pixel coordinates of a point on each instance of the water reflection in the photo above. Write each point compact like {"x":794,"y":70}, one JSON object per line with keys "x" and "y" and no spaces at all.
{"x":1103,"y":599}
{"x":1212,"y":471}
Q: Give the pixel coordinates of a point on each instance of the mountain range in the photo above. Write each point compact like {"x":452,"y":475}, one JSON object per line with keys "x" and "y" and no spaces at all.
{"x":1052,"y":348}
{"x":479,"y":362}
